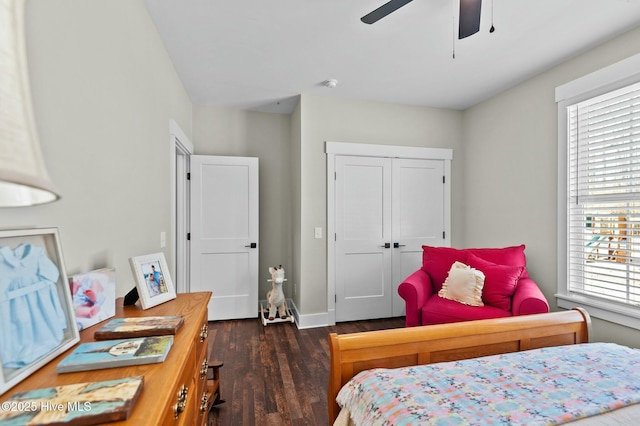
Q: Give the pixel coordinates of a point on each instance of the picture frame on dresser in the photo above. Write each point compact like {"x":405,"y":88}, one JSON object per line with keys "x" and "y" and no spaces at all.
{"x":153,"y":280}
{"x":93,"y":295}
{"x":37,"y":320}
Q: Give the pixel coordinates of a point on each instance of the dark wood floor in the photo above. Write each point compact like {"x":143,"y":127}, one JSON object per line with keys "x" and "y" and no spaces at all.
{"x":276,"y":375}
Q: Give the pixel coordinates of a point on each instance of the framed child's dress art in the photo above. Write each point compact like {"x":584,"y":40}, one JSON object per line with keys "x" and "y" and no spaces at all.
{"x":37,"y":320}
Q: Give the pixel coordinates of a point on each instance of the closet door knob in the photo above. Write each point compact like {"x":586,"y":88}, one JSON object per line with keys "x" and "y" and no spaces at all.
{"x":386,"y":245}
{"x":396,"y":245}
{"x":252,"y":245}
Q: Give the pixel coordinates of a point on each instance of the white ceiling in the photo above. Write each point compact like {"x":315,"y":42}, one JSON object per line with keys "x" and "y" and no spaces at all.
{"x":262,"y":54}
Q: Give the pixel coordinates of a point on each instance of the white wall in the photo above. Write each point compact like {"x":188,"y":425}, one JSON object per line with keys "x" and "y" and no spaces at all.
{"x":510,"y":180}
{"x":104,"y":91}
{"x":339,"y":120}
{"x":220,"y":131}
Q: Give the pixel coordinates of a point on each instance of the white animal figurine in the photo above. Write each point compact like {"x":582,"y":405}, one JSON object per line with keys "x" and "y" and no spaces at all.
{"x":275,"y":296}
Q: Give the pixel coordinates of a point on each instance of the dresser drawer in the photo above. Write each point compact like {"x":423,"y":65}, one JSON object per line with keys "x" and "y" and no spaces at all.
{"x":182,"y":406}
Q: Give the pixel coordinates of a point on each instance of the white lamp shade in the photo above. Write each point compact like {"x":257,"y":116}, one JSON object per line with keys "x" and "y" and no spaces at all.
{"x":24,"y":180}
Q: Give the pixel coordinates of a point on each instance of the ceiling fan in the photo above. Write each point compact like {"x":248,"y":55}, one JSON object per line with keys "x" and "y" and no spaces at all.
{"x":469,"y":20}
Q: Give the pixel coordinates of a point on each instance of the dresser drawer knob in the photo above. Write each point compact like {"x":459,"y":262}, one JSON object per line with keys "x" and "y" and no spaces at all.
{"x":204,"y":332}
{"x":204,"y":403}
{"x":204,"y":369}
{"x":181,"y":403}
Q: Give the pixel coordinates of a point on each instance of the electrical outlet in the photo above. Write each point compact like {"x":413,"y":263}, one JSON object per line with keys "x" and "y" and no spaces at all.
{"x":163,"y":239}
{"x":318,"y":232}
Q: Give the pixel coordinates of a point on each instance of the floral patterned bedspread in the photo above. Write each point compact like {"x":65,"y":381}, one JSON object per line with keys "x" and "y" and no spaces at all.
{"x":539,"y":387}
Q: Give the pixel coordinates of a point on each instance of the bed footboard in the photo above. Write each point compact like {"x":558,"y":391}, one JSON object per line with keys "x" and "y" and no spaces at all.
{"x":352,"y":353}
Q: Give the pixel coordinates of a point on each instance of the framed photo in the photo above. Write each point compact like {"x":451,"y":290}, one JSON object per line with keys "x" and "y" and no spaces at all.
{"x":152,"y":279}
{"x":37,"y":320}
{"x":94,"y":296}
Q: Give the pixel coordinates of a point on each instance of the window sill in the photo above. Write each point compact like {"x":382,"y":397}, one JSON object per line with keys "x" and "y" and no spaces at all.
{"x":612,"y":312}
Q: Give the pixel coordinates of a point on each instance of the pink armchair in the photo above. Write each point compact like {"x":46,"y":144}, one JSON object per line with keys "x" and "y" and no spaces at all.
{"x":508,"y":290}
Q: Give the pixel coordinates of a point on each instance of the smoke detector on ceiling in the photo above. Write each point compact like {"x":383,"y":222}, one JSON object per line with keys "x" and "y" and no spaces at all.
{"x":331,"y":83}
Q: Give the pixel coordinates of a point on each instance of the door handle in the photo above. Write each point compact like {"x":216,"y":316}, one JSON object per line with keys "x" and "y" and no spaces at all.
{"x":396,"y":245}
{"x":386,"y":245}
{"x":252,"y":245}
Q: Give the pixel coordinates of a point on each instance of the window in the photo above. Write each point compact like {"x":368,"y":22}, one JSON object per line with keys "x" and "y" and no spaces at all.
{"x":599,"y":218}
{"x":604,"y":196}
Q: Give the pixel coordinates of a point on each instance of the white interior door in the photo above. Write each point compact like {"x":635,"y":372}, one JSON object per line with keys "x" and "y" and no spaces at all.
{"x":417,"y":215}
{"x":386,"y":209}
{"x":410,"y":209}
{"x":224,"y":234}
{"x":363,"y":238}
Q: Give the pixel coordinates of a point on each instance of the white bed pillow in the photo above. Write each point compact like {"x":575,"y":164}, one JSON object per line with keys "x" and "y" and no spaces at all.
{"x":463,"y":284}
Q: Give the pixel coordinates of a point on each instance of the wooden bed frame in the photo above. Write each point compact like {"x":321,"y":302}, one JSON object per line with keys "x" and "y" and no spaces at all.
{"x":352,"y":353}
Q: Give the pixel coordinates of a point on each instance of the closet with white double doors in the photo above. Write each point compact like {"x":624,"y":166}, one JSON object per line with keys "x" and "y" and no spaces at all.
{"x":384,"y":202}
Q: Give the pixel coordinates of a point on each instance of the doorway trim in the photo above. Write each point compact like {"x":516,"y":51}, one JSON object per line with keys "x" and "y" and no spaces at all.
{"x":332,"y":149}
{"x":181,"y":149}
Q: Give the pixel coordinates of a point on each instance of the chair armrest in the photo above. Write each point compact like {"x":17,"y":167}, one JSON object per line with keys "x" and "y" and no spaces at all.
{"x":528,"y":299}
{"x":416,"y":289}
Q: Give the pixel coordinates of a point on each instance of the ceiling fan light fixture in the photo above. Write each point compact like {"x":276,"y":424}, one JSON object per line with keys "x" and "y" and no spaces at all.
{"x":468,"y":15}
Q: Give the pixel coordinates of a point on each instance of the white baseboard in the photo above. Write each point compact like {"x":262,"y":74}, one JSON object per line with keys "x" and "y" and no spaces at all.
{"x":308,"y":321}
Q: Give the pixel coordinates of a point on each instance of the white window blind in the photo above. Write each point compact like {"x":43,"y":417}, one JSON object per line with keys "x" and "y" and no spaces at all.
{"x":604,"y":196}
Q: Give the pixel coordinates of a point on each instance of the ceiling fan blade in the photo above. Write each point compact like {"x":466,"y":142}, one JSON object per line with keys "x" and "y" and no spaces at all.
{"x":383,"y":11}
{"x":469,"y":18}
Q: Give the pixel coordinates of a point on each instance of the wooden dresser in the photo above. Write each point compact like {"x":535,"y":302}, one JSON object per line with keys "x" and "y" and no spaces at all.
{"x":176,"y":391}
